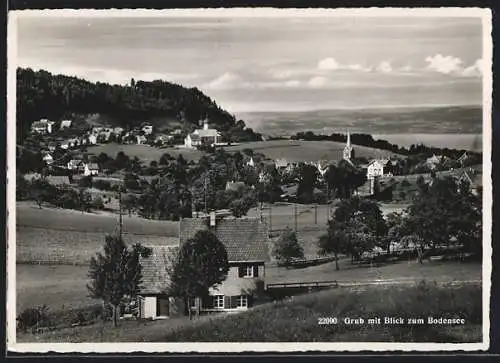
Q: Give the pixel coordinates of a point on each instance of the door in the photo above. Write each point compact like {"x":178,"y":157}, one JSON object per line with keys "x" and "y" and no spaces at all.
{"x":162,"y":306}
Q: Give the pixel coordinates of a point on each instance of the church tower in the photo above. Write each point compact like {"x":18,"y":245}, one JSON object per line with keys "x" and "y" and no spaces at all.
{"x":348,"y":150}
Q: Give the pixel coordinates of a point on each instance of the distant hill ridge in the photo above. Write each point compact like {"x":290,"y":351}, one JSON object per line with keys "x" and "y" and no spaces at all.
{"x":41,"y":94}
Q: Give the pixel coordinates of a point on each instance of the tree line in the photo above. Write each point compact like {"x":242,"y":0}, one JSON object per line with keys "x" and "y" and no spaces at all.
{"x":368,"y":141}
{"x":41,"y":94}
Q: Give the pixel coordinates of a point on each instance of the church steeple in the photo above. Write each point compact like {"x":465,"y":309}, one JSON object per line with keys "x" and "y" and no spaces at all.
{"x":348,"y":150}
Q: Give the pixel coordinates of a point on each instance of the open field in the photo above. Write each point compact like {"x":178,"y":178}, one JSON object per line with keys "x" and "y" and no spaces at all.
{"x":292,"y":150}
{"x":145,"y":153}
{"x":297,"y":150}
{"x":52,"y":235}
{"x":297,"y":320}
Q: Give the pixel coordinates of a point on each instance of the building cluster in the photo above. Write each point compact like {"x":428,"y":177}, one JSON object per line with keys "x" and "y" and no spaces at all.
{"x":204,"y":137}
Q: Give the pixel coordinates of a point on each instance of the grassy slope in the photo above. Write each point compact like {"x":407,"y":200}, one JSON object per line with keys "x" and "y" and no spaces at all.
{"x":297,"y":320}
{"x":58,"y":235}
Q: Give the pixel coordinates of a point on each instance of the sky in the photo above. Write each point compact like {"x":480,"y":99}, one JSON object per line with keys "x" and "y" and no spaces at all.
{"x":269,"y":63}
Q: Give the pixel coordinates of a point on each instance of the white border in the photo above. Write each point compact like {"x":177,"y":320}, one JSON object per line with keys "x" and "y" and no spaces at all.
{"x":484,"y":14}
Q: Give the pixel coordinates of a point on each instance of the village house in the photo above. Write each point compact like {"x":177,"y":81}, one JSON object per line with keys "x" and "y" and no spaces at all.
{"x":250,"y":162}
{"x":65,"y":124}
{"x":247,"y":244}
{"x":92,"y":139}
{"x":43,"y":126}
{"x":148,"y":129}
{"x":118,"y":130}
{"x":141,"y":139}
{"x":281,"y":163}
{"x":474,"y":179}
{"x":48,"y":159}
{"x":90,"y":169}
{"x":75,"y":165}
{"x":377,"y":168}
{"x":205,"y":136}
{"x":434,"y":161}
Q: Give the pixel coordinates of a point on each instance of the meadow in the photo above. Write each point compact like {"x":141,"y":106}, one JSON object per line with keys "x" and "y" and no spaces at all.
{"x":296,"y":320}
{"x":292,"y":150}
{"x":56,"y":236}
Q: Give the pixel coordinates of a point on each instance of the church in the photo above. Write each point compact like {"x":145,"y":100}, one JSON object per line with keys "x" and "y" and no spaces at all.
{"x":348,"y":149}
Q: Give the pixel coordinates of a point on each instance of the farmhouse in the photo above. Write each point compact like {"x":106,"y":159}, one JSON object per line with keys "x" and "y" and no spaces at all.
{"x":65,"y":124}
{"x":148,"y":129}
{"x":43,"y":126}
{"x":246,"y":242}
{"x":250,"y":162}
{"x":48,"y":159}
{"x":141,"y":139}
{"x":91,"y":169}
{"x":376,"y":168}
{"x":474,"y":179}
{"x":205,"y":136}
{"x":75,"y":164}
{"x":433,"y":162}
{"x":281,"y":163}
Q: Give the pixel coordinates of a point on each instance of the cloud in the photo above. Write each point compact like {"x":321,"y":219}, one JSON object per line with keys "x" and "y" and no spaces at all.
{"x":281,"y":73}
{"x":405,"y":68}
{"x":292,"y":83}
{"x":328,"y":64}
{"x":225,"y":81}
{"x":384,"y":67}
{"x":359,"y":67}
{"x":444,"y":64}
{"x":317,"y":82}
{"x":475,"y":70}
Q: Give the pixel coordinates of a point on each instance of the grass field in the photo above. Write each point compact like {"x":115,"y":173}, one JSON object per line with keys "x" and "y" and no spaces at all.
{"x":52,"y":235}
{"x":292,"y":150}
{"x":297,"y":320}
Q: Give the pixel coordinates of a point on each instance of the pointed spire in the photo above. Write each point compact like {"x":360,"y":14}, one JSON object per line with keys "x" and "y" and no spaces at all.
{"x":348,"y":138}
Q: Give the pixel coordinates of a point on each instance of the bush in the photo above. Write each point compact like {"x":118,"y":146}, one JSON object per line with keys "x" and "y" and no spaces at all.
{"x":97,"y":203}
{"x":30,"y":317}
{"x":102,"y":184}
{"x":405,"y":183}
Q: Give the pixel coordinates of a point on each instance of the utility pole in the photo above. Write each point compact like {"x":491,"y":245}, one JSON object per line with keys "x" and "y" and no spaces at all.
{"x":270,"y":218}
{"x":295,"y":215}
{"x":205,"y":191}
{"x":120,"y":226}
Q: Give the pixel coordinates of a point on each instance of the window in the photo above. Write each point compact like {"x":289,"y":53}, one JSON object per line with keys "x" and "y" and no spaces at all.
{"x":242,"y":301}
{"x":248,"y":272}
{"x":219,"y":301}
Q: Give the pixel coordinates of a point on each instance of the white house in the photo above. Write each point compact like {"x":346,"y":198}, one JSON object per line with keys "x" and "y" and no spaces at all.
{"x":43,"y":126}
{"x":48,"y":159}
{"x":281,"y":163}
{"x":205,"y":136}
{"x":92,"y":139}
{"x":91,"y":169}
{"x":65,"y":124}
{"x":141,"y":139}
{"x":250,"y":162}
{"x":75,"y":164}
{"x":148,"y":129}
{"x":376,"y":168}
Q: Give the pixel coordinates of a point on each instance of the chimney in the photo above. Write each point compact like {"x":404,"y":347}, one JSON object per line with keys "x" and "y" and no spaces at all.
{"x":212,"y":219}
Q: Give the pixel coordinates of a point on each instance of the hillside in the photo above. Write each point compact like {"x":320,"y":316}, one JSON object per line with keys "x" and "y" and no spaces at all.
{"x":41,"y":94}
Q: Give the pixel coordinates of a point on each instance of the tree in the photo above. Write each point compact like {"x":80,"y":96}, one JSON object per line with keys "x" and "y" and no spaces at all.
{"x":444,"y":213}
{"x":334,"y":241}
{"x":308,"y":180}
{"x":363,"y":225}
{"x":115,"y":275}
{"x":202,"y":263}
{"x":288,"y":247}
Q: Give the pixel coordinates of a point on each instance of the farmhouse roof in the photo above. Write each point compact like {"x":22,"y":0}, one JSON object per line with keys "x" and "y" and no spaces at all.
{"x":384,"y":162}
{"x":93,"y":166}
{"x":155,"y":269}
{"x":194,"y":137}
{"x":245,"y":239}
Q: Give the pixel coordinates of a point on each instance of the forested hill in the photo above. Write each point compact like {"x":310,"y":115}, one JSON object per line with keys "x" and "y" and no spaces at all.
{"x":41,"y":94}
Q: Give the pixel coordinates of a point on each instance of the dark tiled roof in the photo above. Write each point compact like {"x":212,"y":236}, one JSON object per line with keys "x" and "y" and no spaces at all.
{"x":155,"y":269}
{"x":245,"y":239}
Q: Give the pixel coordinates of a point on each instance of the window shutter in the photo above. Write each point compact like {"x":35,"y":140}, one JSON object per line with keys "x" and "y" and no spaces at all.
{"x":234,"y":302}
{"x":241,"y":271}
{"x":256,"y":271}
{"x":227,"y":302}
{"x":250,"y":300}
